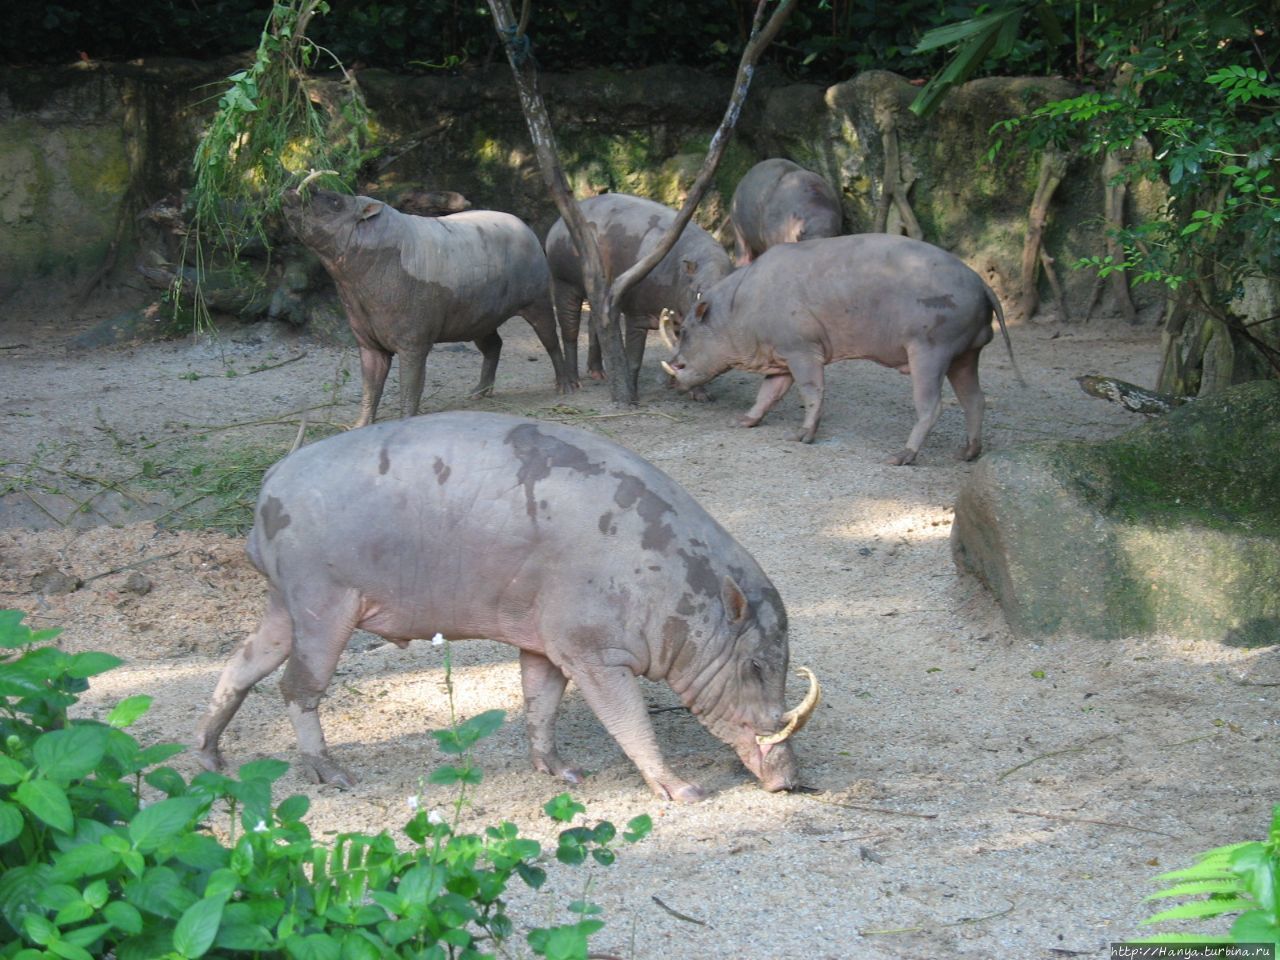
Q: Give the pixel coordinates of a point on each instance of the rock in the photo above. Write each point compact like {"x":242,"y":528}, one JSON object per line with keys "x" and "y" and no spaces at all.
{"x":52,"y":582}
{"x":136,"y":583}
{"x":1173,"y":527}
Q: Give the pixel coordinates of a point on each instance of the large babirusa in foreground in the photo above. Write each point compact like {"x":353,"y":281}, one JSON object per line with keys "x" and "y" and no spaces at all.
{"x":409,"y":282}
{"x":871,"y":296}
{"x":594,"y":563}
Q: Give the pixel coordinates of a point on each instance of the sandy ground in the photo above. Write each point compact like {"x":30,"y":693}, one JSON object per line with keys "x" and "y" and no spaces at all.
{"x":976,"y":795}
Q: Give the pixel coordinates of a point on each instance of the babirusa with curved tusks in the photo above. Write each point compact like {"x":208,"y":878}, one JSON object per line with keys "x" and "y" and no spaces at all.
{"x":668,"y":368}
{"x":794,"y":720}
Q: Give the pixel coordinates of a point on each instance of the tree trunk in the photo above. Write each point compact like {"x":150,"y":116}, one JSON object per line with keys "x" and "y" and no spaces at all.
{"x":603,"y":295}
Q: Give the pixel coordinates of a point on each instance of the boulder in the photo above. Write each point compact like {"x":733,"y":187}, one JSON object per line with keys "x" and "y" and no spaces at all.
{"x":1173,"y":527}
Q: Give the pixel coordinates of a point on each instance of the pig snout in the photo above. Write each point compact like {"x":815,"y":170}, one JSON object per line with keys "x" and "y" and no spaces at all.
{"x":774,"y":766}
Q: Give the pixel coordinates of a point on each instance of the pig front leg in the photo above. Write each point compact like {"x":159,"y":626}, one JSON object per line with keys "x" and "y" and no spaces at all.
{"x":614,"y":696}
{"x":772,"y":389}
{"x":413,"y":372}
{"x":543,"y":684}
{"x":374,"y":364}
{"x":260,"y":654}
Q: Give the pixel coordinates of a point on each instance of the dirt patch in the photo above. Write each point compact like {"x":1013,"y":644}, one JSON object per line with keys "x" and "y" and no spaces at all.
{"x":980,"y":796}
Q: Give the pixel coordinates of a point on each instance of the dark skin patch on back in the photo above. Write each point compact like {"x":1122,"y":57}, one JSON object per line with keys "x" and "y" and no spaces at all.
{"x":699,"y":575}
{"x":384,"y":461}
{"x":274,"y":518}
{"x":606,"y":524}
{"x":442,"y":471}
{"x":539,"y":453}
{"x":632,"y":492}
{"x":944,"y":302}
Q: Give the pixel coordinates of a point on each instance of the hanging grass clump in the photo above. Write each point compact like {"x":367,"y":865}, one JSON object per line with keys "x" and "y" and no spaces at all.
{"x":274,"y":122}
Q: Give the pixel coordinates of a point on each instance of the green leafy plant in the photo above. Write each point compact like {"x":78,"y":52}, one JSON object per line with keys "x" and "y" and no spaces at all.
{"x":105,"y":850}
{"x":1242,"y":879}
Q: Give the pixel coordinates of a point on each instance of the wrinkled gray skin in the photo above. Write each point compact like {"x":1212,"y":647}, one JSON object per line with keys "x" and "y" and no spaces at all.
{"x":410,"y":282}
{"x":900,"y":302}
{"x":781,"y":202}
{"x":627,"y":229}
{"x":595,"y":564}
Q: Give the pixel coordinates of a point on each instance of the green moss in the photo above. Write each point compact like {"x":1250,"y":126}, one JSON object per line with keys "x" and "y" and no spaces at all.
{"x":1214,"y":463}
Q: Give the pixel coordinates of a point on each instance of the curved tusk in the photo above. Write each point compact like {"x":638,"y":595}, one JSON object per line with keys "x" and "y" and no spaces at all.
{"x":313,"y":175}
{"x":794,"y":720}
{"x":665,"y":330}
{"x":671,"y":371}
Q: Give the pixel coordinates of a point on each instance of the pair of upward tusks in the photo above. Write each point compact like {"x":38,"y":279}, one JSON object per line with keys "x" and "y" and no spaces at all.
{"x":313,"y":175}
{"x":665,"y":331}
{"x":794,"y":720}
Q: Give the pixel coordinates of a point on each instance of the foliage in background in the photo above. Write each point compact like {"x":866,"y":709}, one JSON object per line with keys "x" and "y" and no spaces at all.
{"x":1240,"y":879}
{"x":1197,"y":83}
{"x":825,"y":41}
{"x":272,"y":124}
{"x":104,"y":850}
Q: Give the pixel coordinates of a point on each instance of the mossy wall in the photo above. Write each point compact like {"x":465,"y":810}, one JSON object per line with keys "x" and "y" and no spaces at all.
{"x":84,"y":149}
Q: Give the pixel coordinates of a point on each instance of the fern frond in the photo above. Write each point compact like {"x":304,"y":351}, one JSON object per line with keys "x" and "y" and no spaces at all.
{"x":1201,"y":909}
{"x":1198,"y":887}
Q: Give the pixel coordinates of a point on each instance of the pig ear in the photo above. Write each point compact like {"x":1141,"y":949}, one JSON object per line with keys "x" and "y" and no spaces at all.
{"x":371,"y":209}
{"x":736,"y":607}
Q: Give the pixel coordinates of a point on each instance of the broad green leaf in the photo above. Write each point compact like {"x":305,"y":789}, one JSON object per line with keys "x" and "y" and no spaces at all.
{"x":127,"y":711}
{"x":91,"y":663}
{"x":11,"y":821}
{"x":315,"y":946}
{"x":124,"y":917}
{"x":268,"y":769}
{"x":85,"y":860}
{"x":48,"y":802}
{"x":197,"y":927}
{"x":162,"y":821}
{"x":70,"y":754}
{"x":11,"y":771}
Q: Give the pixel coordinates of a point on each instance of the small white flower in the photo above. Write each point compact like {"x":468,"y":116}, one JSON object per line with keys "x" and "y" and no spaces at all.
{"x":413,"y":802}
{"x":435,"y":817}
{"x":261,"y":827}
{"x":437,"y":640}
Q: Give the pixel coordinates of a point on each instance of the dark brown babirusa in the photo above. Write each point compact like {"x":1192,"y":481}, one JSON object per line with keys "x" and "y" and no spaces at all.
{"x":900,"y":302}
{"x":781,"y":202}
{"x":410,"y":282}
{"x":627,"y":228}
{"x":597,"y":566}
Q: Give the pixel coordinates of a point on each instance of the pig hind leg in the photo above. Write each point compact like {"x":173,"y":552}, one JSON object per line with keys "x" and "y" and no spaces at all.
{"x":543,"y":684}
{"x":260,"y":654}
{"x":569,"y":313}
{"x":926,"y":391}
{"x":808,"y":372}
{"x":772,"y":389}
{"x":322,"y":625}
{"x":490,"y":347}
{"x":541,"y":315}
{"x":963,"y":374}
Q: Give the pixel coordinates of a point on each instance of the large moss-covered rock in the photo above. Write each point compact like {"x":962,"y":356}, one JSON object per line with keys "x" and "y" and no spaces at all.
{"x":1173,"y":527}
